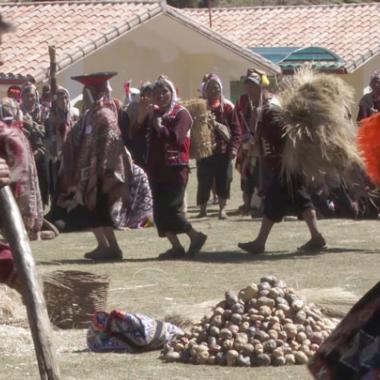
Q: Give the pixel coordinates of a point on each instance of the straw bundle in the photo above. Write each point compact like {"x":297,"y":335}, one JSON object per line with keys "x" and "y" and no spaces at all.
{"x":320,"y":135}
{"x":202,"y":135}
{"x":12,"y":309}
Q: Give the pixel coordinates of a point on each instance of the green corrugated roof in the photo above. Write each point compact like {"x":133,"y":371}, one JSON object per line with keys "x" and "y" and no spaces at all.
{"x":274,"y":54}
{"x":290,"y":58}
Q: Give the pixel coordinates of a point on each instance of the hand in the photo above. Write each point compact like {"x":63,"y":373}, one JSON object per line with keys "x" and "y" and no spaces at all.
{"x":232,"y":154}
{"x":145,"y":108}
{"x":4,"y":173}
{"x":157,"y":123}
{"x":74,"y":202}
{"x":40,"y":152}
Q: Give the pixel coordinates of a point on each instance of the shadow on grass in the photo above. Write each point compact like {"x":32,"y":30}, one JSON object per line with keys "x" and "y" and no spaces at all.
{"x":82,"y":351}
{"x":239,"y":256}
{"x":220,"y":257}
{"x":94,"y":262}
{"x":350,"y":250}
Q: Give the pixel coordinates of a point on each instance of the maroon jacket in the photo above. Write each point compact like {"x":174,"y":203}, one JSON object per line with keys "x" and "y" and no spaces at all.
{"x":228,"y":117}
{"x":169,"y":149}
{"x":270,"y":133}
{"x":243,"y":112}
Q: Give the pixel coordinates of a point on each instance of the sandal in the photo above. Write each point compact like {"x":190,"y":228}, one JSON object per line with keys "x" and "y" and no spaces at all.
{"x":252,"y":247}
{"x":173,"y":253}
{"x":196,"y":246}
{"x":222,"y":215}
{"x":315,"y":244}
{"x":104,"y":254}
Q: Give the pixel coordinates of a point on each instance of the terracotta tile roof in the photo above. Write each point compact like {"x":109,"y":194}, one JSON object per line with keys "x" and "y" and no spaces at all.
{"x":351,"y":31}
{"x":81,"y":27}
{"x":259,"y":61}
{"x":75,"y":29}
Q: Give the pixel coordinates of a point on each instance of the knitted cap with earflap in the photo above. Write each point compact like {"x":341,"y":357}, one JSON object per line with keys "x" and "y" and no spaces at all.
{"x":256,"y":76}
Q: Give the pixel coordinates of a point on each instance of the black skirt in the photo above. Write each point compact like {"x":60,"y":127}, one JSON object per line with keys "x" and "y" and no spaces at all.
{"x":284,"y":197}
{"x":167,"y":208}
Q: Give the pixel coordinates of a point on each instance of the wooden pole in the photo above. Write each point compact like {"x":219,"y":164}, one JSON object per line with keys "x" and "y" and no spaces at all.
{"x":32,"y":293}
{"x":53,"y":72}
{"x":209,"y":13}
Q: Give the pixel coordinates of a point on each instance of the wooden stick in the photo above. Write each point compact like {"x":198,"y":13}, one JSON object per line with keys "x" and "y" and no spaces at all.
{"x":53,"y":72}
{"x":32,"y":293}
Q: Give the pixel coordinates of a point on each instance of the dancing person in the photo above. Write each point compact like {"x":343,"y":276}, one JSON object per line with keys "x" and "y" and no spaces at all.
{"x":281,"y":195}
{"x":100,"y":176}
{"x":169,"y":126}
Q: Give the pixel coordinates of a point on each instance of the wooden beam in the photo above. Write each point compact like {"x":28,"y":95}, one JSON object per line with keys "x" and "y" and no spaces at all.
{"x":32,"y":293}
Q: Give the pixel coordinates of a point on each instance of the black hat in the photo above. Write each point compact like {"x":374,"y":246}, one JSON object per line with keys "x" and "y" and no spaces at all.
{"x":94,"y":79}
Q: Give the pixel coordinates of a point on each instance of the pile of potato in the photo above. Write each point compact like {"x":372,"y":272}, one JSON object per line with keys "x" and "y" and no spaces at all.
{"x":262,"y":325}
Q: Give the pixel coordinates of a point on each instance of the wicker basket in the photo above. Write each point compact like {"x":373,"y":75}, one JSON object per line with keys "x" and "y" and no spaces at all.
{"x":73,"y":296}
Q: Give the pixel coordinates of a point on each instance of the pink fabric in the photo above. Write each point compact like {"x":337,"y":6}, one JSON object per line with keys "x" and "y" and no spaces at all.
{"x":7,"y":269}
{"x":16,"y":150}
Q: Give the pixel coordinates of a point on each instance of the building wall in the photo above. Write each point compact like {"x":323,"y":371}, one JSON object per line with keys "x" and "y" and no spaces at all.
{"x":143,"y":54}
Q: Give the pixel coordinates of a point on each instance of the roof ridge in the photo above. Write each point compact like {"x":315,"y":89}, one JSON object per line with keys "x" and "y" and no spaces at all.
{"x":358,"y":5}
{"x":13,"y":3}
{"x":213,"y":35}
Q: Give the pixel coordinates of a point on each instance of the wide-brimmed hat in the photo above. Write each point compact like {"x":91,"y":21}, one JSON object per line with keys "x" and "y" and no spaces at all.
{"x":94,"y":79}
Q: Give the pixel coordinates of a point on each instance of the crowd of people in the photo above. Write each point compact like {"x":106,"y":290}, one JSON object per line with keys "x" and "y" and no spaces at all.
{"x":107,"y":165}
{"x":111,"y":165}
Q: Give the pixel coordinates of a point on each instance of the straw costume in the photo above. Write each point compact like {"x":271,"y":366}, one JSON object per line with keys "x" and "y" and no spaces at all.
{"x":306,"y":139}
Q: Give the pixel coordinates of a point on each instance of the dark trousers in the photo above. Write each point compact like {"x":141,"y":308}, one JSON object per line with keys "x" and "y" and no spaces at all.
{"x":167,"y":208}
{"x":218,"y":168}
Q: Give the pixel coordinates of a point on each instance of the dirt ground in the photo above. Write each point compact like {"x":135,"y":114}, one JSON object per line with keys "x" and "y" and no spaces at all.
{"x":143,"y":284}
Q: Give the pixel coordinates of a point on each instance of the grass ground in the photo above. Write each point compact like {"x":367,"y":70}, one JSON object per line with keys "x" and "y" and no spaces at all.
{"x":144,"y":284}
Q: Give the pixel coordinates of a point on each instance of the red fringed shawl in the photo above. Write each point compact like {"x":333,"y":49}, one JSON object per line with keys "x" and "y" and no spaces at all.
{"x":369,"y":145}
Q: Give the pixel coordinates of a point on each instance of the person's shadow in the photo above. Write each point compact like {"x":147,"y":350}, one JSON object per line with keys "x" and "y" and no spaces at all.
{"x":230,"y":256}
